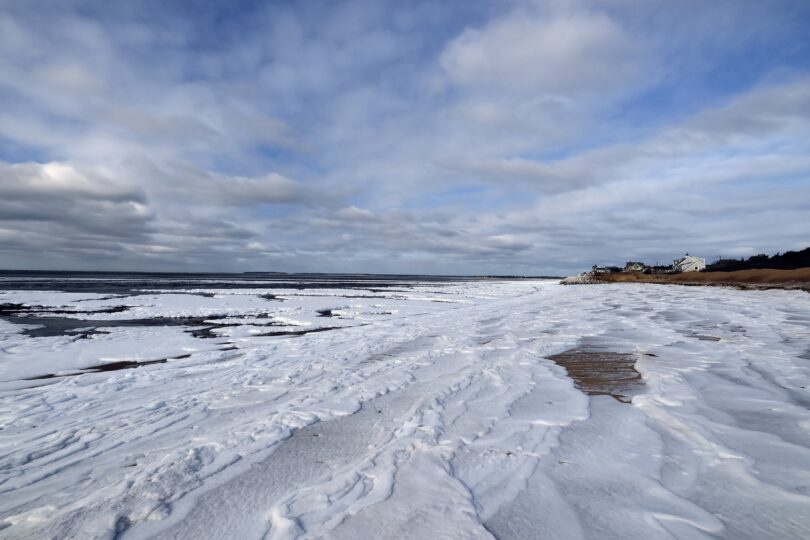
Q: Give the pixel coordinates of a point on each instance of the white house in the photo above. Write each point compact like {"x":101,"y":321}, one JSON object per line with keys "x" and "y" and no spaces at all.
{"x":633,"y":266}
{"x":689,"y":263}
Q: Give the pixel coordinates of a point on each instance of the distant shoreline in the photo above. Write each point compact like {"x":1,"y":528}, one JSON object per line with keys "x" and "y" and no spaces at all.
{"x":61,"y":274}
{"x":763,"y":278}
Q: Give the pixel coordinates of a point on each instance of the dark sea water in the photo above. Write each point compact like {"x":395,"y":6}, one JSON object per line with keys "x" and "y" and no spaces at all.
{"x":52,"y":320}
{"x":131,"y":283}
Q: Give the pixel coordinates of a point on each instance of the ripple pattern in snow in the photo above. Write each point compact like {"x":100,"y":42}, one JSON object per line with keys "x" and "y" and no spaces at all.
{"x":420,"y":410}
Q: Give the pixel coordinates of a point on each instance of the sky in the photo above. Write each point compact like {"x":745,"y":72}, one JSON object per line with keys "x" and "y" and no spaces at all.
{"x":440,"y":137}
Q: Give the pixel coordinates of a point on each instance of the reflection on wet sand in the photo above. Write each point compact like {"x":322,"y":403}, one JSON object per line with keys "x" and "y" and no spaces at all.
{"x":601,"y":373}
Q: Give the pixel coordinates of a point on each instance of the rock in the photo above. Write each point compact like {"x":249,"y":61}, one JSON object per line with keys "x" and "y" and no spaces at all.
{"x":581,"y":279}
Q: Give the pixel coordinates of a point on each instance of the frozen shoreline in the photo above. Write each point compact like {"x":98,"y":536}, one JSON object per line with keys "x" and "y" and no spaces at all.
{"x":431,"y":409}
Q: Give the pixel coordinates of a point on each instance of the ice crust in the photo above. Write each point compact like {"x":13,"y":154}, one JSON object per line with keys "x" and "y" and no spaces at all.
{"x":421,"y":412}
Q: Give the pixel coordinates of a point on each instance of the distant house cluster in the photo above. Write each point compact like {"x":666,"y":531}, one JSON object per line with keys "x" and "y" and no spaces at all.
{"x":687,"y":263}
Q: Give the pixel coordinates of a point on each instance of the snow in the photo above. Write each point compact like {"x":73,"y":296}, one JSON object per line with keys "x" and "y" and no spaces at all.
{"x":422,"y":411}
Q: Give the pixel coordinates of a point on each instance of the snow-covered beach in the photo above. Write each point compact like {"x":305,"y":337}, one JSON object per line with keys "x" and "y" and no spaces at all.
{"x":402,"y":409}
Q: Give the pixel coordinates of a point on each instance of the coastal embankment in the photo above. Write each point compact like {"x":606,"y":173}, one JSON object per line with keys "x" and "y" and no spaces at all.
{"x":746,"y":279}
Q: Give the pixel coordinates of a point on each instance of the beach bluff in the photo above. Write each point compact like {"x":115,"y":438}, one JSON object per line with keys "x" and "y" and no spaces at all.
{"x":790,"y":270}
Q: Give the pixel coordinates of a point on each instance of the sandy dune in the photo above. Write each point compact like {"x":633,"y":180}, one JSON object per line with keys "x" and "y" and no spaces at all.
{"x":760,"y":278}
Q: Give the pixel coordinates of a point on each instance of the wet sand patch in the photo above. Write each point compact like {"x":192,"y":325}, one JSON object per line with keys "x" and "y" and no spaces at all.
{"x":601,"y":373}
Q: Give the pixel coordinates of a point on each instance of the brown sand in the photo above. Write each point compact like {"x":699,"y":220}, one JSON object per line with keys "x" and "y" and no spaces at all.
{"x":601,"y":373}
{"x":749,"y":279}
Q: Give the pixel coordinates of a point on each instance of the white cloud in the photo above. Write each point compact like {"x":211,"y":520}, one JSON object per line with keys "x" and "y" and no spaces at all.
{"x":353,"y":213}
{"x":508,"y":242}
{"x":183,"y":183}
{"x":532,"y":52}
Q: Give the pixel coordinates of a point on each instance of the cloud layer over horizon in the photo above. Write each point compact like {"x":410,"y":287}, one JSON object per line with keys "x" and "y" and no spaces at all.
{"x":483,"y":137}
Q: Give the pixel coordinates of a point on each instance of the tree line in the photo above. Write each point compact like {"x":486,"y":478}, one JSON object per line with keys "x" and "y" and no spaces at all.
{"x":788,"y":260}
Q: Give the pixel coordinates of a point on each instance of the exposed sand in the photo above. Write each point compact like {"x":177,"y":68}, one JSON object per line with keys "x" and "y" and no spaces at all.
{"x":601,"y":373}
{"x":754,"y":279}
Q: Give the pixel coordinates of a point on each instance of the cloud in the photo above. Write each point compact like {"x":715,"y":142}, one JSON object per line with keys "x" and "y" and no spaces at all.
{"x":526,"y":137}
{"x":121,"y":214}
{"x":60,"y":212}
{"x":353,"y":213}
{"x":546,"y":177}
{"x":508,"y":242}
{"x":182,"y":183}
{"x":537,"y":52}
{"x":35,"y":181}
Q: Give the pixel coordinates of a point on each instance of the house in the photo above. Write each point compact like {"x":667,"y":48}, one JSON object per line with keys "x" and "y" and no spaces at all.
{"x":633,"y":266}
{"x":689,"y":263}
{"x":604,"y":269}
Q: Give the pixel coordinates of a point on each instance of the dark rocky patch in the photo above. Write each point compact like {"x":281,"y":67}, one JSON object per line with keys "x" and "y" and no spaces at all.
{"x":409,"y":289}
{"x":201,"y":327}
{"x":47,"y":376}
{"x":113,"y":309}
{"x":206,"y":332}
{"x":702,"y":337}
{"x":23,"y":309}
{"x":353,"y":296}
{"x":61,"y":326}
{"x":297,"y":332}
{"x":110,"y":366}
{"x":12,"y":309}
{"x":124,"y":364}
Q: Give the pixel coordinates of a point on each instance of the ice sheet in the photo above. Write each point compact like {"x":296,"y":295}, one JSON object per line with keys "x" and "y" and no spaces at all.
{"x":427,"y":411}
